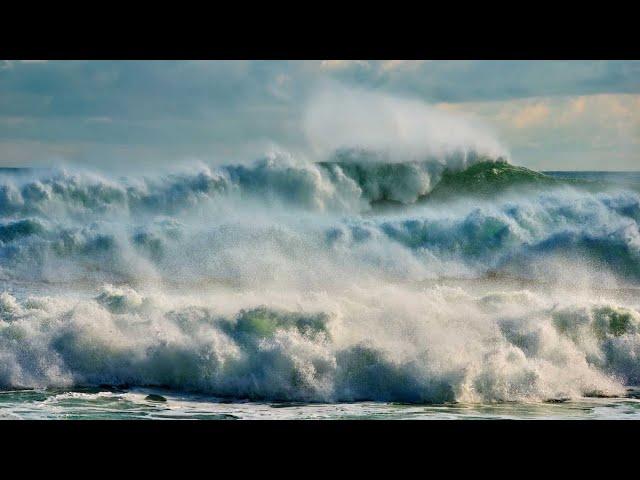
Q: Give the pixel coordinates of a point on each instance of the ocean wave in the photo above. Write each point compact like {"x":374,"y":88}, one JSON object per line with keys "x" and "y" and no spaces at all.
{"x":521,"y":233}
{"x":283,"y":280}
{"x":351,"y":182}
{"x":504,"y":346}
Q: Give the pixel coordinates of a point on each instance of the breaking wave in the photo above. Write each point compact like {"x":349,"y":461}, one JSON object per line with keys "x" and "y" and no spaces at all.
{"x":275,"y":219}
{"x":443,"y":345}
{"x":462,"y":278}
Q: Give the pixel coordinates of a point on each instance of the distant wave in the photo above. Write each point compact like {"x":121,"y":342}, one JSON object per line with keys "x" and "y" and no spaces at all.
{"x":265,"y":221}
{"x":351,"y":182}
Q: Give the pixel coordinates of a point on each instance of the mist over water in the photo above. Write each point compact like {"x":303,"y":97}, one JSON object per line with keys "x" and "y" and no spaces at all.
{"x":409,"y":263}
{"x":401,"y":129}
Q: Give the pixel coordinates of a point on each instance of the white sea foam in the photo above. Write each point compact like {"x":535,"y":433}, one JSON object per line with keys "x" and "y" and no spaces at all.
{"x":280,"y":223}
{"x":372,"y":342}
{"x":336,"y":280}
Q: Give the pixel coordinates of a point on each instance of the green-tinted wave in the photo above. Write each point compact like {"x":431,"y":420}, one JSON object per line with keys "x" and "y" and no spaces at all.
{"x":490,"y":178}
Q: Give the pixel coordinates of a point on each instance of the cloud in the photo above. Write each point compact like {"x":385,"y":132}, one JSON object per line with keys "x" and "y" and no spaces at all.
{"x":576,"y":131}
{"x":343,"y":64}
{"x":456,"y":81}
{"x":531,"y":115}
{"x":215,"y":108}
{"x":385,"y":66}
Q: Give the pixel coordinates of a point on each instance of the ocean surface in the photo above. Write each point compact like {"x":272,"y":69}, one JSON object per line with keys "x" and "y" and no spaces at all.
{"x":456,"y":288}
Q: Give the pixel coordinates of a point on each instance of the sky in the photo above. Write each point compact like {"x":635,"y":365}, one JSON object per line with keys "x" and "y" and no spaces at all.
{"x":549,"y":115}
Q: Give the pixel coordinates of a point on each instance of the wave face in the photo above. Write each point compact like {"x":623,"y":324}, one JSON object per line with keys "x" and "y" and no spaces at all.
{"x":360,"y":278}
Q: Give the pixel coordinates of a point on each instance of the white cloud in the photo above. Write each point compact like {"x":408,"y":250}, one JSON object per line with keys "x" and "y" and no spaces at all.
{"x":532,"y":115}
{"x":390,"y":65}
{"x":590,"y":128}
{"x":342,"y":64}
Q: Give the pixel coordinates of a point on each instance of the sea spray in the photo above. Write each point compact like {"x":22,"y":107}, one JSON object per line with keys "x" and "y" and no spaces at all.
{"x":386,"y":343}
{"x":356,"y":278}
{"x":277,"y":222}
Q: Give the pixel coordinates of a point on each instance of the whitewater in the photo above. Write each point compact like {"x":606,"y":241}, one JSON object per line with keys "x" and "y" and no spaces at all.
{"x":440,"y":283}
